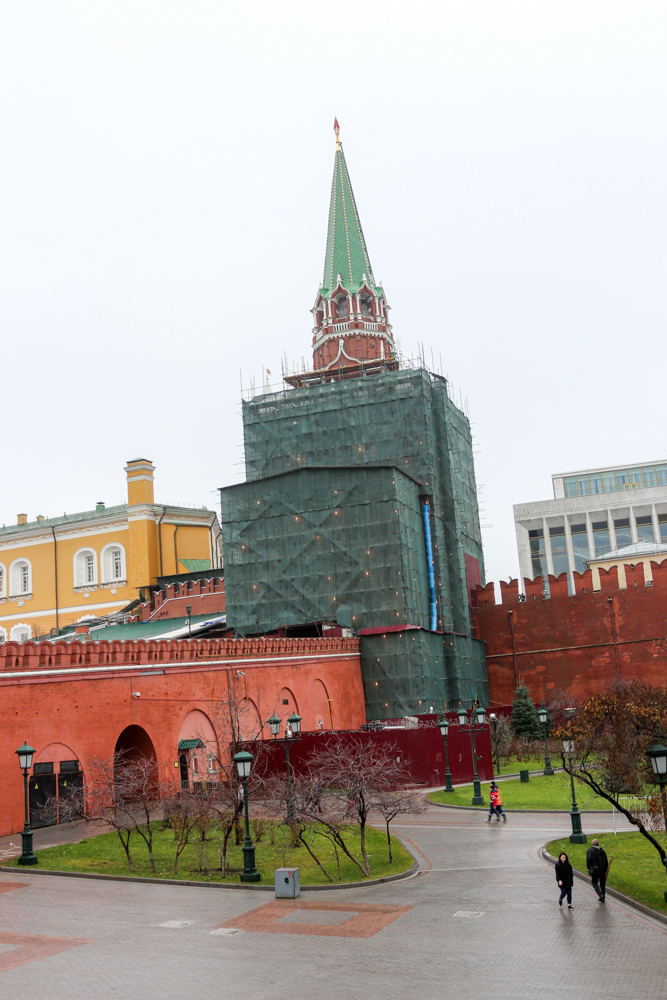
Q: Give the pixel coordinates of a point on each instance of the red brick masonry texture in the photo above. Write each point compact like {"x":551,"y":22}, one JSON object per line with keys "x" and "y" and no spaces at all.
{"x":575,"y":645}
{"x":73,"y":700}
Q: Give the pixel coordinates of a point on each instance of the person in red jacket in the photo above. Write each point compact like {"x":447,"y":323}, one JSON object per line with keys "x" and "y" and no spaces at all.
{"x":496,"y":805}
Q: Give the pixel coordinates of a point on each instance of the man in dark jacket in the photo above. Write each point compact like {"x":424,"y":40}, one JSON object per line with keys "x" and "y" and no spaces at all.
{"x":597,"y":864}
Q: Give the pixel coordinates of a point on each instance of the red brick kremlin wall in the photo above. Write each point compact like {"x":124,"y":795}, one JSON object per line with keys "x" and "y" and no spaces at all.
{"x":574,"y":646}
{"x":72,"y":701}
{"x":205,"y":597}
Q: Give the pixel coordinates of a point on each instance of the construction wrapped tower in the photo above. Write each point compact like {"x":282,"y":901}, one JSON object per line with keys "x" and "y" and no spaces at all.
{"x":360,"y":505}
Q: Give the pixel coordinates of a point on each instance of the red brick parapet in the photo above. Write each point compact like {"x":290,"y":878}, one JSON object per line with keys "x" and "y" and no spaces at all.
{"x":27,"y":655}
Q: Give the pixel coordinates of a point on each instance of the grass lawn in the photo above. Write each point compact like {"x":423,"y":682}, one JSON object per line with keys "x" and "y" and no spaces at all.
{"x":636,"y":869}
{"x":513,"y":766}
{"x":105,"y":855}
{"x":539,"y":793}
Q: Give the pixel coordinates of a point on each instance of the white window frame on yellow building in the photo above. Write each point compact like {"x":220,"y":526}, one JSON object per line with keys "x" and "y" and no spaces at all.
{"x":25,"y":586}
{"x":83,"y":561}
{"x":108,"y":553}
{"x":150,"y":540}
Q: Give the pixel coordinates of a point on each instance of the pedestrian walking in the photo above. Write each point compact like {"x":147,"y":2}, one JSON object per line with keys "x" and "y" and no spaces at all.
{"x":598,"y":866}
{"x":495,"y":804}
{"x":565,"y":879}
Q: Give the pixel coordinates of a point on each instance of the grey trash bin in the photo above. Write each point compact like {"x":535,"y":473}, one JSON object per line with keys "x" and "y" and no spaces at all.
{"x":288,"y":883}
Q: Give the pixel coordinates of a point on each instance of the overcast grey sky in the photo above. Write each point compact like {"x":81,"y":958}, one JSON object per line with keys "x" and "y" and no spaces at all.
{"x":165,"y":172}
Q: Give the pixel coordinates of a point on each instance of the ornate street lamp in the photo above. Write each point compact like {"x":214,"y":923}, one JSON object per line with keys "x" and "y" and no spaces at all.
{"x":292,"y":731}
{"x":542,"y":715}
{"x":577,"y":836}
{"x":476,"y":715}
{"x":657,"y":754}
{"x":243,"y":761}
{"x":188,"y":609}
{"x":25,"y":755}
{"x":494,"y":719}
{"x":444,"y":726}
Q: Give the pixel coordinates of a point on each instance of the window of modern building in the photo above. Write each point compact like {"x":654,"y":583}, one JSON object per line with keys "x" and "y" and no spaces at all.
{"x":645,"y":529}
{"x":3,"y":580}
{"x":623,"y":532}
{"x":662,"y":524}
{"x":20,"y":578}
{"x":579,"y":546}
{"x":85,"y":568}
{"x":537,"y":552}
{"x":601,"y":537}
{"x":615,"y":480}
{"x":558,"y":550}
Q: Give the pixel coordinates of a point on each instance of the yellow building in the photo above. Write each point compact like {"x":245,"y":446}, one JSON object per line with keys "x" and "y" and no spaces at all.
{"x":629,"y":555}
{"x":56,"y":571}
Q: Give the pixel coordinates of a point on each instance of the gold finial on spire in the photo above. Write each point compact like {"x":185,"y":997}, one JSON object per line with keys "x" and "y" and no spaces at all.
{"x":337,"y":130}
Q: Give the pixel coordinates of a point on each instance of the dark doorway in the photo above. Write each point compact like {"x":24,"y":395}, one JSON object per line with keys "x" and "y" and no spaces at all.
{"x":133,"y":746}
{"x":70,"y":789}
{"x":183,"y":762}
{"x":42,"y":797}
{"x":55,"y":798}
{"x":135,"y":742}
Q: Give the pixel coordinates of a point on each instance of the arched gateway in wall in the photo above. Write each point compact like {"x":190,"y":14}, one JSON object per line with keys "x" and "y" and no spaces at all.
{"x":55,"y":786}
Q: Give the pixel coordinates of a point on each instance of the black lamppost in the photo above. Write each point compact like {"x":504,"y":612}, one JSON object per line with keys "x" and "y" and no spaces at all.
{"x":25,"y":755}
{"x":657,"y":754}
{"x":292,"y":731}
{"x":478,"y":715}
{"x":444,"y":726}
{"x":577,"y":836}
{"x":542,"y":715}
{"x":243,"y":761}
{"x":494,"y":719}
{"x":188,"y":609}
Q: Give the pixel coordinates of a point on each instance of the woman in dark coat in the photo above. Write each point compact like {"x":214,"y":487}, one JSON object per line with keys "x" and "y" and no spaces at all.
{"x":565,"y":879}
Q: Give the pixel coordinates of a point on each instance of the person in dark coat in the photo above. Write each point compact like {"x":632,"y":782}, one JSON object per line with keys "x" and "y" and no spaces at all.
{"x":565,"y":879}
{"x":597,"y":864}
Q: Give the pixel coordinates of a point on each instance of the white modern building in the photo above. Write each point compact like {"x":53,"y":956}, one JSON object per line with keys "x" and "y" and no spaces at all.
{"x":593,"y":514}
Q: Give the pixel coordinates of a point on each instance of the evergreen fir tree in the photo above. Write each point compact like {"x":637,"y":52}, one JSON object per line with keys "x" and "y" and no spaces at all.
{"x":525,"y":721}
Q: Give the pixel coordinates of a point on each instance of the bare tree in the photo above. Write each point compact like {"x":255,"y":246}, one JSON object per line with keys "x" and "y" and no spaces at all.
{"x":186,"y":811}
{"x":302,"y":826}
{"x":123,"y":792}
{"x":354,"y":772}
{"x":392,"y":804}
{"x":238,"y":726}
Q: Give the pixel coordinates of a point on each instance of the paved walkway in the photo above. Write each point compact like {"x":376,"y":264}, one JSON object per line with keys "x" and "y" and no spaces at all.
{"x":481,"y":921}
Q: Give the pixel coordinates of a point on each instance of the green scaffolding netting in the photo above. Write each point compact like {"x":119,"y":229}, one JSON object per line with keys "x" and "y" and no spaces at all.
{"x":334,"y":545}
{"x":406,"y":673}
{"x":329,"y":525}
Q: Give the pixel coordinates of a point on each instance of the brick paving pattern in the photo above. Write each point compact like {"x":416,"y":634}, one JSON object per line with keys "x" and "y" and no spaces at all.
{"x":482,"y":923}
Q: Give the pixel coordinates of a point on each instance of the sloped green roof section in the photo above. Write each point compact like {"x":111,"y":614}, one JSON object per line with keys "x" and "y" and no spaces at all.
{"x":195,"y":565}
{"x":190,"y":744}
{"x":160,"y":627}
{"x":346,"y":252}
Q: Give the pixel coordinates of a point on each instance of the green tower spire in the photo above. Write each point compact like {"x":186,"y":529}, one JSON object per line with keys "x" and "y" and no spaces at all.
{"x":346,"y":253}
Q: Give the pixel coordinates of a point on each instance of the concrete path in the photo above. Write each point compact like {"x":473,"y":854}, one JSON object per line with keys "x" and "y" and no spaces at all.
{"x":480,"y":920}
